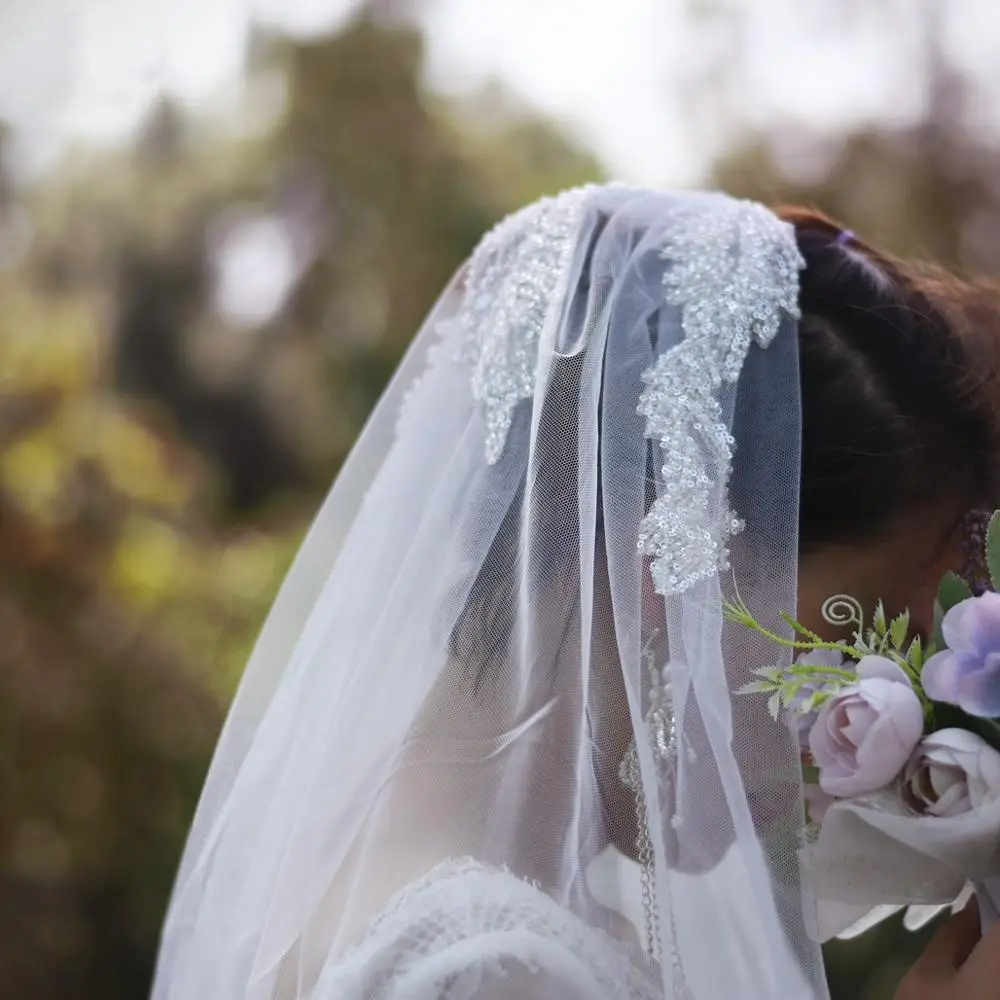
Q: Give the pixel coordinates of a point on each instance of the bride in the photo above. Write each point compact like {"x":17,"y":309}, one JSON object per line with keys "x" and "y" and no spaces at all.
{"x":488,"y":745}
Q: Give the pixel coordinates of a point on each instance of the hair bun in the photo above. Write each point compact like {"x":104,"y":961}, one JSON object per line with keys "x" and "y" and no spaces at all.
{"x":811,"y":221}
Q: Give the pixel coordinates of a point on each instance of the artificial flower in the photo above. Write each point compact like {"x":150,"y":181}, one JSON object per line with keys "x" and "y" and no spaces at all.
{"x":802,"y":713}
{"x":952,"y":772}
{"x":866,"y":732}
{"x":967,"y":673}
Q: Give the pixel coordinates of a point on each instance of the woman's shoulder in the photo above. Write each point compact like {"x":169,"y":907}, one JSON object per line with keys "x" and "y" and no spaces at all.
{"x":474,"y":932}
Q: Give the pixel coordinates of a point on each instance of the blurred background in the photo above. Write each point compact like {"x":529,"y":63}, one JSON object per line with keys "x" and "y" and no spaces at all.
{"x":221,"y":221}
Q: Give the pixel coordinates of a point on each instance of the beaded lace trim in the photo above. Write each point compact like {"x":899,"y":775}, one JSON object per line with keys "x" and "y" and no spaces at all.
{"x":733,"y":271}
{"x":513,"y":281}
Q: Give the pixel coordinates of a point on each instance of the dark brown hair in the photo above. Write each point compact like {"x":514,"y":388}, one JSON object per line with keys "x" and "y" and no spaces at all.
{"x":897,"y":417}
{"x":897,"y":384}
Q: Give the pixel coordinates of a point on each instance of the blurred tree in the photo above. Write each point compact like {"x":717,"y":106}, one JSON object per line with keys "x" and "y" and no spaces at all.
{"x":6,"y":182}
{"x":927,"y":187}
{"x":113,"y":592}
{"x":371,"y":193}
{"x":159,"y":299}
{"x":411,"y":184}
{"x":103,"y":736}
{"x":198,"y":324}
{"x":162,"y":140}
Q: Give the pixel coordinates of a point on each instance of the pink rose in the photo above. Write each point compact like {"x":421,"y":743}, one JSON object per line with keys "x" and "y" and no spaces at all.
{"x":866,"y":732}
{"x":952,"y":772}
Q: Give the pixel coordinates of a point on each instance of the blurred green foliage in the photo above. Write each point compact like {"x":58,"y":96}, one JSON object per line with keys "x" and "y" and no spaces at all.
{"x":160,"y":456}
{"x":159,"y":461}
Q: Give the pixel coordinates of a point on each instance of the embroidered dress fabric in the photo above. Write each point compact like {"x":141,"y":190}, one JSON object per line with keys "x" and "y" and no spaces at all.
{"x":488,"y":744}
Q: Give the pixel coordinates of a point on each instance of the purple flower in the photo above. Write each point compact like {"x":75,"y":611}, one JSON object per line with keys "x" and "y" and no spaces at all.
{"x":967,"y":673}
{"x":802,"y":720}
{"x":866,"y":732}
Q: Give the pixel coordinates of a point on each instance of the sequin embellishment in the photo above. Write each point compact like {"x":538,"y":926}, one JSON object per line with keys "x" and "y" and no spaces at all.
{"x":732,"y":271}
{"x":513,"y":281}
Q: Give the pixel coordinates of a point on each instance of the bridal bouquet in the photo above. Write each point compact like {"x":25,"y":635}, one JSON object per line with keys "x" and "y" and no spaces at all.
{"x":900,"y":749}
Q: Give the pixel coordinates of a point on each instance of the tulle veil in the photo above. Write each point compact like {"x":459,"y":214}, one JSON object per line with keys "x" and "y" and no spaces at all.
{"x":503,"y":639}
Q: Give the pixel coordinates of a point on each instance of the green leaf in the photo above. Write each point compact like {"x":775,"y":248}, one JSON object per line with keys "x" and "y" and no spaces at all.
{"x":950,"y":716}
{"x":993,"y":550}
{"x":915,"y":654}
{"x":989,"y":729}
{"x":735,"y":612}
{"x":773,"y":674}
{"x":798,"y":627}
{"x":813,"y":702}
{"x":810,"y":774}
{"x":952,"y":590}
{"x":879,"y":619}
{"x":899,"y":629}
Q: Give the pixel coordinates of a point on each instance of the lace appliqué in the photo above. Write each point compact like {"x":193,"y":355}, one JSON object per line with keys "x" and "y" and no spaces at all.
{"x":513,"y":281}
{"x":465,"y":919}
{"x":733,"y":272}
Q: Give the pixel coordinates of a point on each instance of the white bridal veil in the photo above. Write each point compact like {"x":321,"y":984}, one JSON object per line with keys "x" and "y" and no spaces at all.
{"x":493,"y":710}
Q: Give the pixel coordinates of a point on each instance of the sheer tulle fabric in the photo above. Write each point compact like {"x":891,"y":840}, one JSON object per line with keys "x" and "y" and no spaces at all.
{"x":417,"y":792}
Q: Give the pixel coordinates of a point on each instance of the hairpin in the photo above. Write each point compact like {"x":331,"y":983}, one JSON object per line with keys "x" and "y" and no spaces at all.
{"x":845,"y":237}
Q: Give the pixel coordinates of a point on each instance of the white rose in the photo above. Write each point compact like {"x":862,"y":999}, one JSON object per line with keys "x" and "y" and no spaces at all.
{"x":952,"y":772}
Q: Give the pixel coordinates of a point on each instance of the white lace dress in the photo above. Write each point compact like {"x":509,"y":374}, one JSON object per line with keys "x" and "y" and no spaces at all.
{"x":468,"y":932}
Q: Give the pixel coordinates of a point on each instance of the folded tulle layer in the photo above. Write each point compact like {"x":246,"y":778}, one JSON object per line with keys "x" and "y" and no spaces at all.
{"x":871,"y":858}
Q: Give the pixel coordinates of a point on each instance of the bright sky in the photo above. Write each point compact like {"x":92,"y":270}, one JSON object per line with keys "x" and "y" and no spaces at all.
{"x":613,"y":69}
